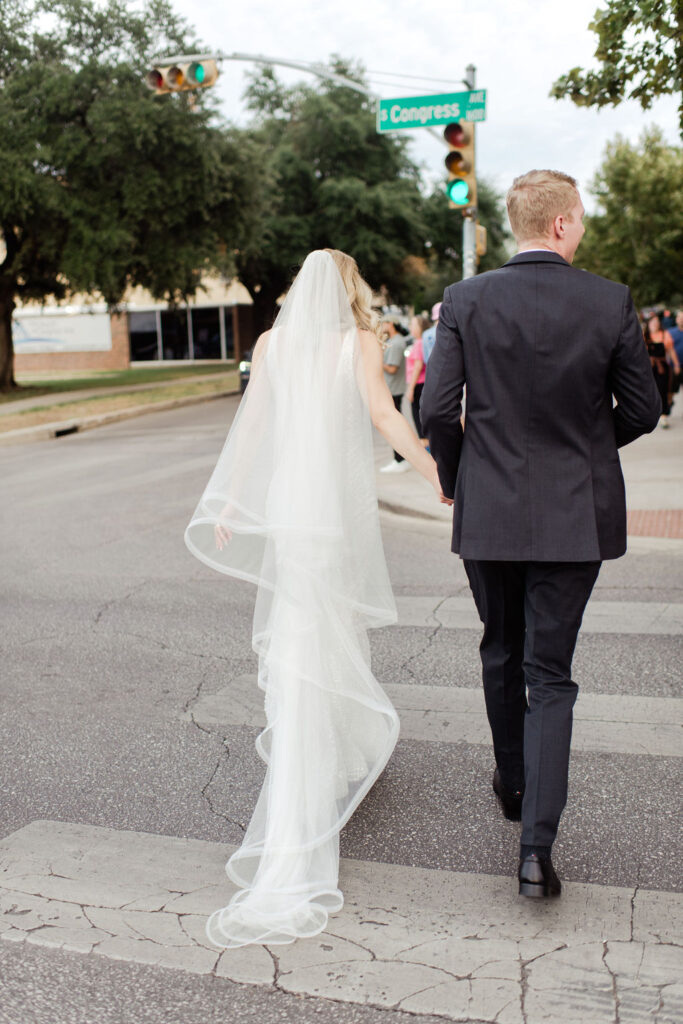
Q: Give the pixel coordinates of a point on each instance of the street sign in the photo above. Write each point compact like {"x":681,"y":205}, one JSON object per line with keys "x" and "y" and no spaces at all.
{"x":424,"y":111}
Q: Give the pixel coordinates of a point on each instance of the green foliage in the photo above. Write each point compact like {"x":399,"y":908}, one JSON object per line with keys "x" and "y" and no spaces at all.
{"x":637,"y":235}
{"x":640,"y":50}
{"x":327,"y":179}
{"x":105,"y":184}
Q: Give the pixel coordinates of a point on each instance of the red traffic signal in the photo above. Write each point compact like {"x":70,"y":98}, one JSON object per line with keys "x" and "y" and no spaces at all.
{"x":461,"y":187}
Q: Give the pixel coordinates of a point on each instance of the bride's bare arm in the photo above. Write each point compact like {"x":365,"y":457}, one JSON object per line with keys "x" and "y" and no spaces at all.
{"x":393,"y":427}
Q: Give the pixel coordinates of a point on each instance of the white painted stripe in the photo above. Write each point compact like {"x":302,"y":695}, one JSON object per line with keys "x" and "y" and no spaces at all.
{"x":623,"y":617}
{"x":432,"y":942}
{"x":449,"y":714}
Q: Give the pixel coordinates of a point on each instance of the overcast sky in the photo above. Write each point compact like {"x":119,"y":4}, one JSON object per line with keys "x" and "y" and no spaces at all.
{"x":519,"y":47}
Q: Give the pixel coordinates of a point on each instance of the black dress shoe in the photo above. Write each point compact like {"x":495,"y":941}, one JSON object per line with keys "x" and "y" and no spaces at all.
{"x":537,"y":877}
{"x":510,"y":800}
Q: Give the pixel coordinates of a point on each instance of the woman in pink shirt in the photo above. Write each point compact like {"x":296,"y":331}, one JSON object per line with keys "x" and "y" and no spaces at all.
{"x":415,"y":371}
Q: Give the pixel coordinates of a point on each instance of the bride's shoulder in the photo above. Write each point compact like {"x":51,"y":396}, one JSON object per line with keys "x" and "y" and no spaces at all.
{"x":260,"y":348}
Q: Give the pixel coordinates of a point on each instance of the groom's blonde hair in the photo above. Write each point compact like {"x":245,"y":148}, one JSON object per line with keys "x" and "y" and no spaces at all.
{"x":536,"y":198}
{"x":358,"y":291}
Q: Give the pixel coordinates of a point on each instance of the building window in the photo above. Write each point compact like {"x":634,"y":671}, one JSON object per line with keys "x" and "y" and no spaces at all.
{"x":174,"y":334}
{"x":143,"y":336}
{"x":206,"y":333}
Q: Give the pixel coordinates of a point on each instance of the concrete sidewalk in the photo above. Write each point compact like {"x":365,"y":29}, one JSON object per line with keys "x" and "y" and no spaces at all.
{"x":653,"y":472}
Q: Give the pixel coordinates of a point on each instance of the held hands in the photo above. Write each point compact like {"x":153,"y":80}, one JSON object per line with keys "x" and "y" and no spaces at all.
{"x":436,"y":484}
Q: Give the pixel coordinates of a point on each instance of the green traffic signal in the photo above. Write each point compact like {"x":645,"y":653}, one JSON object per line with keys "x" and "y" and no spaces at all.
{"x":458,"y":191}
{"x":197,"y":73}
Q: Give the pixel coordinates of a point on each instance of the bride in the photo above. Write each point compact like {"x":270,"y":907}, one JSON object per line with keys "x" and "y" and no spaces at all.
{"x":291,"y":506}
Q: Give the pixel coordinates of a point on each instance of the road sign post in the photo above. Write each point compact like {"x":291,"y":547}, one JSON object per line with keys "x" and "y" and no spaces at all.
{"x":469,"y":221}
{"x":453,"y":109}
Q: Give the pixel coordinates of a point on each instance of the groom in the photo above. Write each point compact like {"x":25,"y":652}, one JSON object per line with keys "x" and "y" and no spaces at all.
{"x":542,"y":349}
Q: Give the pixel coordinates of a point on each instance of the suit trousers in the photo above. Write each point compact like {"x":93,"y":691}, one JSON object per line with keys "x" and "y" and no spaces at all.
{"x":532,"y":614}
{"x":398,"y":402}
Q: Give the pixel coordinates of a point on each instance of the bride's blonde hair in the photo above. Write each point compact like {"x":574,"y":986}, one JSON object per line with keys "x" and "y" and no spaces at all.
{"x":358,"y":291}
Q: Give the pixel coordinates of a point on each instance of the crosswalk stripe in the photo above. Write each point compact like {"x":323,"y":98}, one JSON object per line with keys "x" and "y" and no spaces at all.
{"x":450,"y":714}
{"x":423,"y":940}
{"x":624,"y":617}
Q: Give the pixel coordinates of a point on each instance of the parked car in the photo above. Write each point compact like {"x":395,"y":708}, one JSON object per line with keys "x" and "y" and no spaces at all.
{"x":245,"y":369}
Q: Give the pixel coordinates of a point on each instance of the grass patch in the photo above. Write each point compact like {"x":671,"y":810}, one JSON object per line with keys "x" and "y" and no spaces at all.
{"x":59,"y":412}
{"x":34,"y":387}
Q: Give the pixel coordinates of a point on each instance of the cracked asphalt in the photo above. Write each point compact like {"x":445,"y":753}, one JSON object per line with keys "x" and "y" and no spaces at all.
{"x":112,"y":632}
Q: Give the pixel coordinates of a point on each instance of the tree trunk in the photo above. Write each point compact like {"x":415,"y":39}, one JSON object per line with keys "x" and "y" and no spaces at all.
{"x":265,"y":308}
{"x":7,"y":381}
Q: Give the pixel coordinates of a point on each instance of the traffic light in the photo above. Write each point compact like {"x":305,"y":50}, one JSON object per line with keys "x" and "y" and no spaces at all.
{"x":461,"y":188}
{"x":196,"y":74}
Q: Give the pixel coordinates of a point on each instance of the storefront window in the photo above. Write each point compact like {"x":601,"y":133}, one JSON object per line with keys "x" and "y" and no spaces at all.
{"x":143,"y":336}
{"x":174,"y":334}
{"x":206,"y":333}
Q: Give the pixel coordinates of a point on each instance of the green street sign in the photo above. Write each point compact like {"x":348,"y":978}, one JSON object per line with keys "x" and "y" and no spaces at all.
{"x":424,"y":111}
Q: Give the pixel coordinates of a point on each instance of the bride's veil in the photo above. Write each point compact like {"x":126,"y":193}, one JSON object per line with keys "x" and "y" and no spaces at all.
{"x":295,"y":488}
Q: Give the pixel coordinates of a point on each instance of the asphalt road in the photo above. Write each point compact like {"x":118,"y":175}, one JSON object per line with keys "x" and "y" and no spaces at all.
{"x":112,"y":632}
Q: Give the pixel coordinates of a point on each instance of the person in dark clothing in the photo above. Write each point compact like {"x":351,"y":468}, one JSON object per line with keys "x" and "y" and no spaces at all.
{"x":541,"y":348}
{"x":677,"y":335}
{"x":664,"y":361}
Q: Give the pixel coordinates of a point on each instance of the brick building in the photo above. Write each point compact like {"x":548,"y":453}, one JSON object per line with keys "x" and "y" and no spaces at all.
{"x":82,"y":335}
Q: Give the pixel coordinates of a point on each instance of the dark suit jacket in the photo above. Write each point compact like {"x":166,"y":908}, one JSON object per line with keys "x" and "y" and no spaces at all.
{"x":541,"y":347}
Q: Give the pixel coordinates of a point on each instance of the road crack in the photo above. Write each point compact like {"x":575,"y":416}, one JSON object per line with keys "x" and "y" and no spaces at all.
{"x":225,"y":754}
{"x":615,"y":993}
{"x":429,"y":640}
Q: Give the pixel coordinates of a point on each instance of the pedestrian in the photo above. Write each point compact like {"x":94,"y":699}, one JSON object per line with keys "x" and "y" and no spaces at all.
{"x":677,"y":335}
{"x":415,"y":370}
{"x":291,"y":505}
{"x":429,"y":336}
{"x":664,"y":361}
{"x":539,"y":494}
{"x":395,"y":377}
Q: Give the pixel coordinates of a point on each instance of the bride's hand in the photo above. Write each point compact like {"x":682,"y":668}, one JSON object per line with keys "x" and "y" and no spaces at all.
{"x":222,"y":533}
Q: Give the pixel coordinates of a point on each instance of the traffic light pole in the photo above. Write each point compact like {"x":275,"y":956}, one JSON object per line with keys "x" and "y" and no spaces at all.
{"x":301,"y":65}
{"x":469,"y":223}
{"x":469,"y":220}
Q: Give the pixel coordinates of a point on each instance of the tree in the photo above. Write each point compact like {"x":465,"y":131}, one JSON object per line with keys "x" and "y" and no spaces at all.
{"x":637,"y":234}
{"x":326,"y":179}
{"x":640,"y":49}
{"x":105,"y":184}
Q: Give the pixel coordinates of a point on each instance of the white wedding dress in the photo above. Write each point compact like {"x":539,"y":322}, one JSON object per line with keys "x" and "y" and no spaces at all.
{"x":295,"y":487}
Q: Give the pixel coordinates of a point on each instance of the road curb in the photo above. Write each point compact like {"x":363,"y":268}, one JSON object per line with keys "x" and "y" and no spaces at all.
{"x":60,"y":428}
